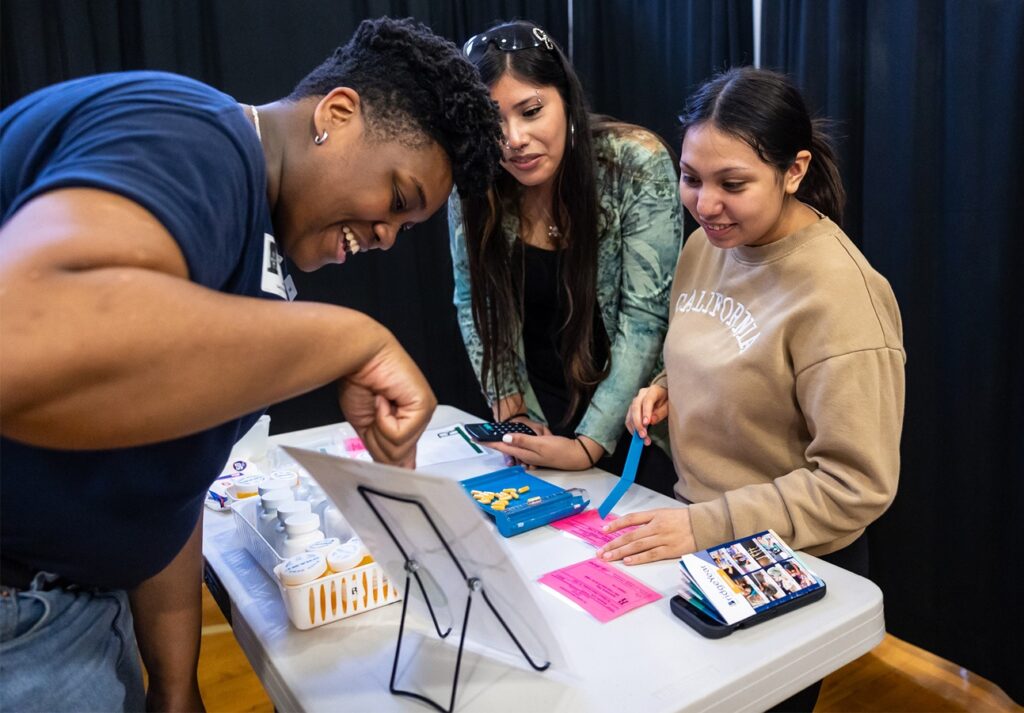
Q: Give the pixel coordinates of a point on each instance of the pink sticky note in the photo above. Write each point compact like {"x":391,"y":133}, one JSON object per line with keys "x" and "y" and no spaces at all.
{"x":354,"y":445}
{"x":587,"y":526}
{"x":600,"y":589}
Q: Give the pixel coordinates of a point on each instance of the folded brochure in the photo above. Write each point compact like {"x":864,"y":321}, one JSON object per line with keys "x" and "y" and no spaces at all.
{"x":736,"y":580}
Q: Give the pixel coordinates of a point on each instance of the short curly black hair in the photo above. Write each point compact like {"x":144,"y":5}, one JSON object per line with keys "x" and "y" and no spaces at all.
{"x":413,"y":82}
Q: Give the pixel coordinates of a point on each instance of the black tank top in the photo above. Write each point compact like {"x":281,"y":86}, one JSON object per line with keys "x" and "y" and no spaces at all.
{"x":544,"y":313}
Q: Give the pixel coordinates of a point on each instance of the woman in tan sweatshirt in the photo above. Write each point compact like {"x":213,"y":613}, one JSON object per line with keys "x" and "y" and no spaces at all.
{"x":783,"y":384}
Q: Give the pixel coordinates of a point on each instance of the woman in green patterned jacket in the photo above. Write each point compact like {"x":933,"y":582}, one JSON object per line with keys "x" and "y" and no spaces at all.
{"x":562,"y":272}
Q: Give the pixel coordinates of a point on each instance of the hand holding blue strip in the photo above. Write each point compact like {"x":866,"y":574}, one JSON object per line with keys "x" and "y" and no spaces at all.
{"x":628,"y":476}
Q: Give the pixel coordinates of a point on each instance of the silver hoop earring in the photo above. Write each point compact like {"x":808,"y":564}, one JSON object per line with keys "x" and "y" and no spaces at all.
{"x":572,"y":136}
{"x":321,"y":138}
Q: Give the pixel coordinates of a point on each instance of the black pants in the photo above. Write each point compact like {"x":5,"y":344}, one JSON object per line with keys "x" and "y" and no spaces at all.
{"x":853,"y":557}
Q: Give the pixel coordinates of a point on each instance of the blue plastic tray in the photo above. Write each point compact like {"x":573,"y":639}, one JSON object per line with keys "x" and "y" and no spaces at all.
{"x":521,"y":516}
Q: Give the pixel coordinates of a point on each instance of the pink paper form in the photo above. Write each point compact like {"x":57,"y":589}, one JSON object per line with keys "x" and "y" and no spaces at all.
{"x":600,"y":589}
{"x":587,"y":526}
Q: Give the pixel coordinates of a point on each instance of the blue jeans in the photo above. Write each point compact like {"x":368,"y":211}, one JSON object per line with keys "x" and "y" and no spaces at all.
{"x":67,"y":650}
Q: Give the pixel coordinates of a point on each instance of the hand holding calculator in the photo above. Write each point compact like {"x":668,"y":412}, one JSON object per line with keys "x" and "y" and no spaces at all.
{"x":494,"y":430}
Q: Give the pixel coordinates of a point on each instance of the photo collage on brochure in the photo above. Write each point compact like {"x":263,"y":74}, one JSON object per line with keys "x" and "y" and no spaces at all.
{"x":761,"y":567}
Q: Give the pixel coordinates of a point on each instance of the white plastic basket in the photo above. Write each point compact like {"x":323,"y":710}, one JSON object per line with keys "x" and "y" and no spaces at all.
{"x":336,"y":596}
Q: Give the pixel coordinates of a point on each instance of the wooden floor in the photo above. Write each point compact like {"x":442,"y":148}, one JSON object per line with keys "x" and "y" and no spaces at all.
{"x":895,"y":676}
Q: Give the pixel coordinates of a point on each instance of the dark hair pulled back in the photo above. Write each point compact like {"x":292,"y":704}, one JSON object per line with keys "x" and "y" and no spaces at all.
{"x":765,"y":110}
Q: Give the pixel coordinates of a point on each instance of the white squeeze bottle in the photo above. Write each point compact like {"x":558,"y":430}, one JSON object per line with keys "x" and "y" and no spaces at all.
{"x":284,"y":511}
{"x":266,"y":516}
{"x":303,"y":530}
{"x":254,"y":444}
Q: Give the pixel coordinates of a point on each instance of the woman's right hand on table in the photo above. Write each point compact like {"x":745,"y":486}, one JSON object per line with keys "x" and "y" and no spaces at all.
{"x":648,"y":408}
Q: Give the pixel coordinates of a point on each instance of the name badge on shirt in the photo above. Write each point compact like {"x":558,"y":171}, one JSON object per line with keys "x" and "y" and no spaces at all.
{"x":274,"y":280}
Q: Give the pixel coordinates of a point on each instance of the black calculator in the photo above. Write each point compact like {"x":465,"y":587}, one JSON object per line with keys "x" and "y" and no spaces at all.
{"x":494,"y":430}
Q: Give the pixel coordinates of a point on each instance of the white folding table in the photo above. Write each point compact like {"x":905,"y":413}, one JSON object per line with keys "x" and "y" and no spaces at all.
{"x":646,"y":660}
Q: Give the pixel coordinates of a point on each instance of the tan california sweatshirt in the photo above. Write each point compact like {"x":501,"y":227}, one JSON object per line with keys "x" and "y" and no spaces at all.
{"x":784,"y":366}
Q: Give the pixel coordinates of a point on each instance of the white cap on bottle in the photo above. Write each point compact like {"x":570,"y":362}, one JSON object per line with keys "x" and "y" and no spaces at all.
{"x":301,"y":569}
{"x":346,"y":556}
{"x":302,"y":522}
{"x":323,"y":546}
{"x":247,"y":485}
{"x":272,"y":499}
{"x":267,"y":485}
{"x":292,"y":507}
{"x":287,"y":477}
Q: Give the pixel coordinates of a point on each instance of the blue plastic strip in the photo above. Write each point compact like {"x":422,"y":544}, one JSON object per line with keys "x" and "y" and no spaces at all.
{"x":628,"y":476}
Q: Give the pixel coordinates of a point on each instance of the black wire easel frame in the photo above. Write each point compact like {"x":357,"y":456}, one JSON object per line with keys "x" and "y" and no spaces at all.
{"x":473,"y":584}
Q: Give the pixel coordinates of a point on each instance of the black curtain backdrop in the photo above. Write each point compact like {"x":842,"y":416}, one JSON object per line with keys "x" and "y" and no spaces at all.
{"x":929,"y":99}
{"x":639,"y":60}
{"x":930,"y":96}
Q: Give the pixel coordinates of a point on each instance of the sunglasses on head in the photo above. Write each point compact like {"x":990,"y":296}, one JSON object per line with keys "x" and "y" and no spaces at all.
{"x":508,"y":38}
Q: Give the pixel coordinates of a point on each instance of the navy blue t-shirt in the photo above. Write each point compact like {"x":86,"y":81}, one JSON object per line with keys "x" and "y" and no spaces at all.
{"x":189,"y":155}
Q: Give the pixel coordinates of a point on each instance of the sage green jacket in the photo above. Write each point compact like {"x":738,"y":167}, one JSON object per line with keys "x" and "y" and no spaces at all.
{"x":640,"y":236}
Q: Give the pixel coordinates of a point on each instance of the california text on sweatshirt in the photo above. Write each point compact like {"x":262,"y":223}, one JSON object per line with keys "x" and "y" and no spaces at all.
{"x":784,"y":366}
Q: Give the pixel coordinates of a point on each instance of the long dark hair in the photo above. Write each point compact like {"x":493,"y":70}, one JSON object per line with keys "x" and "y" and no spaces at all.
{"x":765,"y":110}
{"x":496,"y":279}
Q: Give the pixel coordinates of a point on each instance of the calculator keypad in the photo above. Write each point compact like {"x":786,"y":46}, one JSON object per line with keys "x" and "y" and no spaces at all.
{"x":500,"y":429}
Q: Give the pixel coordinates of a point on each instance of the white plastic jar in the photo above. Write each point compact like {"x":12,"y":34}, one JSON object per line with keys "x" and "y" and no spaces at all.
{"x":303,"y":529}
